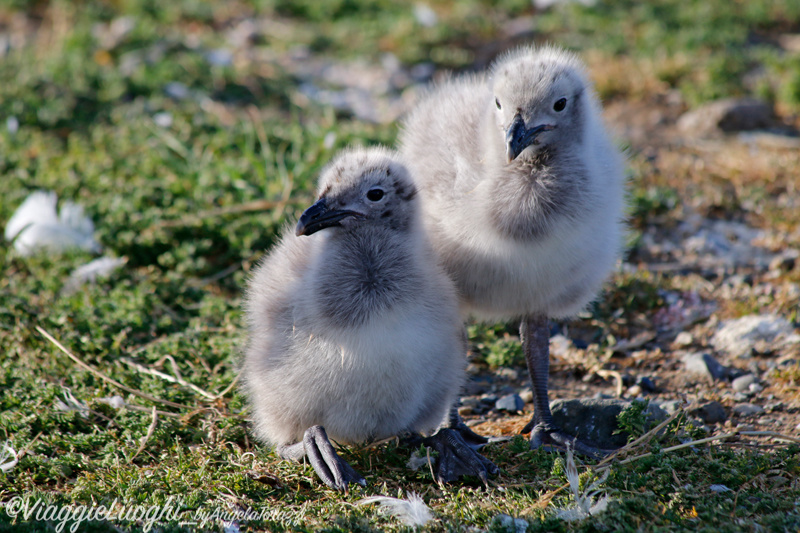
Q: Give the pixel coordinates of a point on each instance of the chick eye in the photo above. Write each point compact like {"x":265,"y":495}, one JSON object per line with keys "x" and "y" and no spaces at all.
{"x":374,"y":195}
{"x":560,"y":104}
{"x":497,"y":103}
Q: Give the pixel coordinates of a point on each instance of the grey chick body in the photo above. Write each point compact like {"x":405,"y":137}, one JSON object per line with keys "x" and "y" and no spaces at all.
{"x":354,"y":328}
{"x":522,"y":192}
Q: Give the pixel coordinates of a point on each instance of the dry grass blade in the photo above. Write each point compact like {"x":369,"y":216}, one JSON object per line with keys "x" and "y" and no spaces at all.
{"x":149,"y":434}
{"x":166,"y":377}
{"x":107,"y":379}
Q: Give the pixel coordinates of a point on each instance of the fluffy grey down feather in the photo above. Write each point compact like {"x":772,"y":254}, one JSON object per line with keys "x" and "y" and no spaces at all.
{"x":537,"y":235}
{"x":356,"y":327}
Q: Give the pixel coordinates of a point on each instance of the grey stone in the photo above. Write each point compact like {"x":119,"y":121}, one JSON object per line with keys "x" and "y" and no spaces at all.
{"x":509,"y":524}
{"x":670,"y":406}
{"x":595,"y":421}
{"x":710,"y":413}
{"x":704,"y":365}
{"x":726,"y":116}
{"x":510,"y":402}
{"x":742,"y":383}
{"x":747,"y":409}
{"x":738,"y":337}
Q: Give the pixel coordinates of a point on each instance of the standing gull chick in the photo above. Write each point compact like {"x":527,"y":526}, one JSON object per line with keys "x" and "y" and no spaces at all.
{"x":522,"y":194}
{"x":354,"y":328}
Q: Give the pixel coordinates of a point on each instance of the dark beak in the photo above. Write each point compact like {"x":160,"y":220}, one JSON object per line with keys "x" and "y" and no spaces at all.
{"x":518,"y":137}
{"x":319,"y":216}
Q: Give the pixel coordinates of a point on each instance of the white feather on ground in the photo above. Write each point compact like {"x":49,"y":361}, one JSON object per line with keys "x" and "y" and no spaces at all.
{"x":8,"y":457}
{"x":92,"y":271}
{"x":412,"y":510}
{"x":588,"y":502}
{"x":36,"y":225}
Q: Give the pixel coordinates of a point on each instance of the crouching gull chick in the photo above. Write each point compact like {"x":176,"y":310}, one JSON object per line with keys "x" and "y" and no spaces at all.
{"x":354,"y":329}
{"x":522,"y":193}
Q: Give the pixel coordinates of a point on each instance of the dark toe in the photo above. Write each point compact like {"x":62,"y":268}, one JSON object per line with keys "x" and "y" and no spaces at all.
{"x":332,"y":469}
{"x":457,"y":458}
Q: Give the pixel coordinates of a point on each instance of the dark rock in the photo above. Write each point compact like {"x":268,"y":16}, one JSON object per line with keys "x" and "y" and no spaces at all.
{"x":646,"y":384}
{"x":488,"y":399}
{"x":704,"y":365}
{"x":510,"y":402}
{"x":710,"y":413}
{"x":475,"y":387}
{"x":595,"y":421}
{"x":726,"y":116}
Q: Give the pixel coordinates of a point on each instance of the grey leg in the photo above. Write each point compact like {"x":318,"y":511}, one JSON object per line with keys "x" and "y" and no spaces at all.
{"x":332,"y":469}
{"x":536,"y":346}
{"x":470,"y":437}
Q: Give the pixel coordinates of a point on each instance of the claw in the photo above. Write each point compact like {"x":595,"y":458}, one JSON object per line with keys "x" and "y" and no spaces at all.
{"x":457,"y":457}
{"x":332,"y":469}
{"x":543,"y":434}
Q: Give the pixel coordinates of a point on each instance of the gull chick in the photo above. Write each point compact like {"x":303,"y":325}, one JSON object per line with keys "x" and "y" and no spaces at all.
{"x":522,"y":192}
{"x":354,"y":329}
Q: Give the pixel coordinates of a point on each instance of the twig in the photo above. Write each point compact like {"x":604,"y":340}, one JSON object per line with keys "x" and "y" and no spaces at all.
{"x":106,"y":378}
{"x":228,"y":388}
{"x":772,"y":434}
{"x":150,"y":431}
{"x":172,"y":379}
{"x":605,"y":374}
{"x":678,"y":447}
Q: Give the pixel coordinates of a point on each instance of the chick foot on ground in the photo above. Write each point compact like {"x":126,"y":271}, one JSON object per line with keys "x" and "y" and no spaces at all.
{"x":332,"y":469}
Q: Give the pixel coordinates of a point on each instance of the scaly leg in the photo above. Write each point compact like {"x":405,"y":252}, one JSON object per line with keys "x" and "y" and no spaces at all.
{"x":536,"y":346}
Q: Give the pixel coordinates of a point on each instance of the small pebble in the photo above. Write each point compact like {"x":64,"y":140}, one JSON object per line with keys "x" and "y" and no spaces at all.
{"x":636,"y":390}
{"x":710,"y":413}
{"x":526,"y":395}
{"x":684,"y":338}
{"x":488,"y":399}
{"x":772,"y":407}
{"x":746,"y":427}
{"x":510,"y":402}
{"x":747,"y":409}
{"x":670,"y":406}
{"x":703,"y":364}
{"x":742,"y":383}
{"x":646,"y":384}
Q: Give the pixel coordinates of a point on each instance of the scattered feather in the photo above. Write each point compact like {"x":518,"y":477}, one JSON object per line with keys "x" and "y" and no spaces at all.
{"x":230,"y":527}
{"x":35,"y":225}
{"x":115,"y":401}
{"x":719,"y":488}
{"x":92,"y":271}
{"x":8,"y":457}
{"x":412,"y":510}
{"x":416,"y":461}
{"x":588,"y":502}
{"x":71,"y":403}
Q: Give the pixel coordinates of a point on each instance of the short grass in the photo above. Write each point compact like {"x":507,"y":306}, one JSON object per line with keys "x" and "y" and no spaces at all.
{"x":194,"y":204}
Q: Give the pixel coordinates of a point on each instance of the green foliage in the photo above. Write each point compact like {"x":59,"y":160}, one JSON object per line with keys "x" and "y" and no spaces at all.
{"x":496,"y":345}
